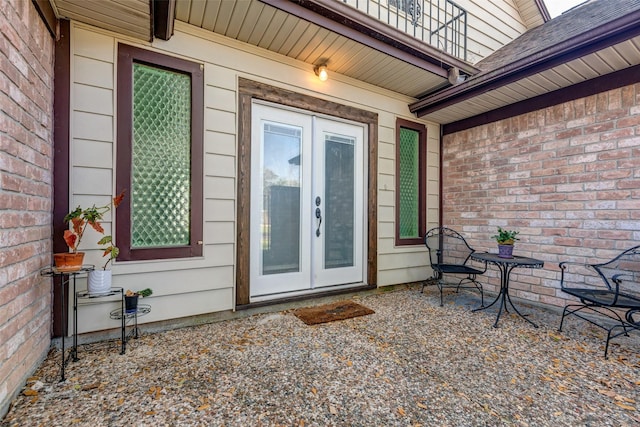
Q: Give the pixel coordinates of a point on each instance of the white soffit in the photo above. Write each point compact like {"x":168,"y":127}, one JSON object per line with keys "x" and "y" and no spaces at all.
{"x":605,"y":61}
{"x":129,"y":17}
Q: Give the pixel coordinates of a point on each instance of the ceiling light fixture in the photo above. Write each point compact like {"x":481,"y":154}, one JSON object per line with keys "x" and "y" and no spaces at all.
{"x":321,"y":72}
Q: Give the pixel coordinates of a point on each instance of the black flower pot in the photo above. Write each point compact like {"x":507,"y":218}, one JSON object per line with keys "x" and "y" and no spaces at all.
{"x":131,"y":303}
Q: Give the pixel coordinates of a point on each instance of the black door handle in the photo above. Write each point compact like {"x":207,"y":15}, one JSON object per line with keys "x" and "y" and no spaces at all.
{"x":319,"y":216}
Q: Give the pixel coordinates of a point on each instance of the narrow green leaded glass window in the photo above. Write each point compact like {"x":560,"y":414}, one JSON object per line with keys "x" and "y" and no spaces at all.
{"x":161,"y":160}
{"x":409,"y":180}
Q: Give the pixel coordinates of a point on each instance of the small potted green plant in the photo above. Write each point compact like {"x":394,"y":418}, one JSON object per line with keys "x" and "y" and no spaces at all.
{"x":505,"y":239}
{"x":99,"y":281}
{"x":79,"y":219}
{"x":131,"y":299}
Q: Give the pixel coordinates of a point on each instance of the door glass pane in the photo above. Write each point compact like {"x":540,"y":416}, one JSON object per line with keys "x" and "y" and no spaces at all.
{"x":281,"y":182}
{"x":409,"y":183}
{"x":161,"y":159}
{"x":339,"y":201}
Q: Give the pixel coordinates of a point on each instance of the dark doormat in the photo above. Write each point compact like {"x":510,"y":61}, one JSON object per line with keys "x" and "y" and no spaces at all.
{"x":330,"y":312}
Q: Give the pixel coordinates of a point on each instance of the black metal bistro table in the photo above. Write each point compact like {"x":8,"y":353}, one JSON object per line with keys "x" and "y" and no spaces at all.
{"x":506,"y":265}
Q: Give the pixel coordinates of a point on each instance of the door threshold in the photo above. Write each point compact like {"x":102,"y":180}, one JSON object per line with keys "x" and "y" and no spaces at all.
{"x":306,"y":296}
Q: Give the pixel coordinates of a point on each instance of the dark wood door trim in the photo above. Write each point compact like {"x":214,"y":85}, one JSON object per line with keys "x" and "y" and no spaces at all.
{"x":249,"y":90}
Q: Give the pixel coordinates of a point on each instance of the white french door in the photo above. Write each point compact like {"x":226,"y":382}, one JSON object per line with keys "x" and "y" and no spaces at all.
{"x":307,"y":199}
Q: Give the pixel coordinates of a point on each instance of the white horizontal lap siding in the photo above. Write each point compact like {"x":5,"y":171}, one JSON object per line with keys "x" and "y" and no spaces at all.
{"x":92,"y":129}
{"x":433,"y":175}
{"x":266,"y":67}
{"x":91,"y":149}
{"x":201,"y":286}
{"x":207,"y":284}
{"x":490,"y":25}
{"x":402,"y":264}
{"x":220,"y":182}
{"x":386,"y":197}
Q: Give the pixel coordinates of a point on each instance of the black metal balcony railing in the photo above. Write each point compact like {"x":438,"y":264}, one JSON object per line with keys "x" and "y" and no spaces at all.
{"x":440,"y":23}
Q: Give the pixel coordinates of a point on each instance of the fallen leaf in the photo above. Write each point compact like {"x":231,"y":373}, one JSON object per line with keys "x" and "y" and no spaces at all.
{"x":422,"y":405}
{"x":333,"y":409}
{"x":401,"y":412}
{"x":29,"y":392}
{"x":609,"y":393}
{"x":349,"y":363}
{"x":203,"y":407}
{"x":624,"y":399}
{"x":555,"y":337}
{"x":624,"y":406}
{"x":90,"y":386}
{"x":314,"y":390}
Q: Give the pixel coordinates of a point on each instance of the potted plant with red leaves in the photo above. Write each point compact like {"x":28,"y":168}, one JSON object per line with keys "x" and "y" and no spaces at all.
{"x":79,"y":219}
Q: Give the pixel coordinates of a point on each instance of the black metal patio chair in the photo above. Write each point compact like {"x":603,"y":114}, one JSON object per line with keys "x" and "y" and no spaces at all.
{"x":611,"y":290}
{"x":450,"y":254}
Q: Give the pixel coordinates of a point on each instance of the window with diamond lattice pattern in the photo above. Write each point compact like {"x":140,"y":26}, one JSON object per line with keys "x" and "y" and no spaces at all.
{"x":161,"y":184}
{"x":160,"y":150}
{"x":410,"y":182}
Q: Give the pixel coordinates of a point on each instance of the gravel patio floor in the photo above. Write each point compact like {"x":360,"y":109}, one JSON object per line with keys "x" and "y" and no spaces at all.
{"x":411,"y":363}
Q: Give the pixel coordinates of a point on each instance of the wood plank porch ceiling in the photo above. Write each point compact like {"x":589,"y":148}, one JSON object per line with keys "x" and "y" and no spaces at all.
{"x":358,"y":46}
{"x":350,"y":42}
{"x":329,"y":32}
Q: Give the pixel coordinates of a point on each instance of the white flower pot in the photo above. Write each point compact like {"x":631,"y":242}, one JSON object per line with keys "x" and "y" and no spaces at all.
{"x":99,"y":281}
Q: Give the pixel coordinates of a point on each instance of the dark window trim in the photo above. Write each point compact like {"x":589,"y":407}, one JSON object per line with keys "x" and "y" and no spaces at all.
{"x":127,"y":55}
{"x":422,"y":185}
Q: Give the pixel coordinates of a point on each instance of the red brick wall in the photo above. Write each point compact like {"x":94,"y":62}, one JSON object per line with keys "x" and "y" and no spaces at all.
{"x":567,"y":177}
{"x":26,"y":97}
